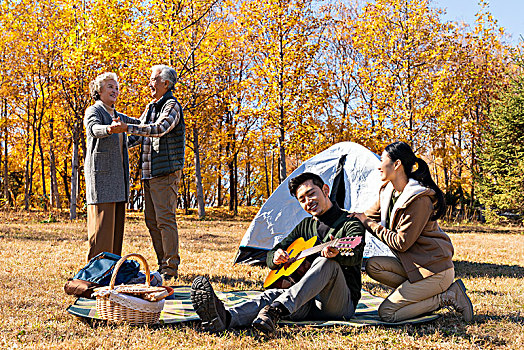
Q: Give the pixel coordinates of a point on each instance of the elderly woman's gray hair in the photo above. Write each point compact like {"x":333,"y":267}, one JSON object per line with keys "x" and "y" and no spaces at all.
{"x":166,"y":74}
{"x":98,"y":83}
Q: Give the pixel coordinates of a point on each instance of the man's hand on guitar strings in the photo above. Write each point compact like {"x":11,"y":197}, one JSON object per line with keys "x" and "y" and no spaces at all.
{"x":329,"y":252}
{"x":280,"y":257}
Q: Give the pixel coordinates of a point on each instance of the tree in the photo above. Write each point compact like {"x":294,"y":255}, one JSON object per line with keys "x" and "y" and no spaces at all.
{"x":186,"y":36}
{"x":501,"y":184}
{"x":288,"y":38}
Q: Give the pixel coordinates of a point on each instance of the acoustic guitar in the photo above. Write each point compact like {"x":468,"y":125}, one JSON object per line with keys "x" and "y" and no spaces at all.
{"x":290,"y":272}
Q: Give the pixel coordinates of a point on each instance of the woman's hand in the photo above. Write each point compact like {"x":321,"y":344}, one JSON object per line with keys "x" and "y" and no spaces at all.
{"x":361,"y":216}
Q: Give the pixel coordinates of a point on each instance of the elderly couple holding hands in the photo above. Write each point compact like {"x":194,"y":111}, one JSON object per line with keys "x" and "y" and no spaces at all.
{"x":161,"y":133}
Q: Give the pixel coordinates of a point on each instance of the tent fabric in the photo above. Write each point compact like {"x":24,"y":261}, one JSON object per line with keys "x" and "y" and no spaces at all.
{"x":350,"y":170}
{"x":178,"y":309}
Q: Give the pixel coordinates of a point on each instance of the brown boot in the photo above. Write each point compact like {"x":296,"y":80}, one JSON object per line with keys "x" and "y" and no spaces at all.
{"x":267,"y":319}
{"x":456,"y":297}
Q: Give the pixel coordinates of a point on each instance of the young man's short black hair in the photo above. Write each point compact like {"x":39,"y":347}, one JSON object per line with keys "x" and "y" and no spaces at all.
{"x":295,"y":182}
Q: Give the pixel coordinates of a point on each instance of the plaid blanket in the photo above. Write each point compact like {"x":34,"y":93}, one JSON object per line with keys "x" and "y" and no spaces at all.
{"x":179,"y":309}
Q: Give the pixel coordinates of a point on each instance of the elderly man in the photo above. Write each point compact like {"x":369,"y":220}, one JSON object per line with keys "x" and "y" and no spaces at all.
{"x":162,"y":136}
{"x":330,"y":289}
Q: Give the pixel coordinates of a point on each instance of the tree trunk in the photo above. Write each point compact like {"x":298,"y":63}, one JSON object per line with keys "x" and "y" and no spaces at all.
{"x":435,"y":170}
{"x":235,"y":199}
{"x":45,"y":198}
{"x":266,"y":173}
{"x":55,"y":198}
{"x":29,"y":171}
{"x":27,"y":180}
{"x":5,"y":160}
{"x":220,"y":200}
{"x":6,"y":170}
{"x":272,"y":170}
{"x":282,"y":157}
{"x":185,"y":192}
{"x":198,"y":177}
{"x":446,"y":178}
{"x":3,"y":178}
{"x":232,"y":185}
{"x":66,"y":179}
{"x":74,"y":176}
{"x":248,"y":184}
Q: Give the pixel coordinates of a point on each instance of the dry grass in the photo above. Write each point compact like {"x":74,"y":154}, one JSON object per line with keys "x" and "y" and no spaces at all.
{"x":37,"y":257}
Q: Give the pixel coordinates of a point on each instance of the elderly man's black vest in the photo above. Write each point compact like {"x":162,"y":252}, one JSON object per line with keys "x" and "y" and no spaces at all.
{"x":167,"y":152}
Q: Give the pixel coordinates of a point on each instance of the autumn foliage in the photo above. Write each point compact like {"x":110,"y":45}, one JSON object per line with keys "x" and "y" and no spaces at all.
{"x":264,"y":85}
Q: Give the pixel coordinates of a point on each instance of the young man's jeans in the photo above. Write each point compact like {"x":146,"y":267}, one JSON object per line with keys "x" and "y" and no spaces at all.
{"x":322,"y":294}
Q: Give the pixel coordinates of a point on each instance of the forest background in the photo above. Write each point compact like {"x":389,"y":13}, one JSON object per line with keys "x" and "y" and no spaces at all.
{"x":264,"y":85}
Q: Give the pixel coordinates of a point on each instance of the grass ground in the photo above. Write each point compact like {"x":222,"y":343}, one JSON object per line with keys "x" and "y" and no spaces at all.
{"x":38,"y":255}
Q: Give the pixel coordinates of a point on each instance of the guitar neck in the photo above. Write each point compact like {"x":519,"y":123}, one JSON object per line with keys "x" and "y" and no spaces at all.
{"x":315,"y":249}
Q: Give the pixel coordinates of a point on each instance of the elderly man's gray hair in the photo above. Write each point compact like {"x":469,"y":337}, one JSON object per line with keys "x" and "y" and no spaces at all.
{"x":166,"y":74}
{"x":98,"y":83}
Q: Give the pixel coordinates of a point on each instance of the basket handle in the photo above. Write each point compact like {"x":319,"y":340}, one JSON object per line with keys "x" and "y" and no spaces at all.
{"x":121,"y":261}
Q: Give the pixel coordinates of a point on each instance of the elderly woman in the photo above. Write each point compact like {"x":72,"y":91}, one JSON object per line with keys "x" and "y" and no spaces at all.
{"x":106,"y":168}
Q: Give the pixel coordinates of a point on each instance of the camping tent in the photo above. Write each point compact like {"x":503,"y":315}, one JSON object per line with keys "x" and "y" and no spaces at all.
{"x":351,"y":172}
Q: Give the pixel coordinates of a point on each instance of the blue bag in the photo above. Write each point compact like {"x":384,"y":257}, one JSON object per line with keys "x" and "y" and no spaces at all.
{"x":100,"y":268}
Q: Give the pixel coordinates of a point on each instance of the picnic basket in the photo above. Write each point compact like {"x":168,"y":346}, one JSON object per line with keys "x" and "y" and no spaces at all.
{"x":121,"y":305}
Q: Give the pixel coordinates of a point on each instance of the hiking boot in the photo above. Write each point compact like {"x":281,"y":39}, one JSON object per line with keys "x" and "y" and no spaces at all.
{"x":207,"y":305}
{"x":456,"y":297}
{"x":267,"y":319}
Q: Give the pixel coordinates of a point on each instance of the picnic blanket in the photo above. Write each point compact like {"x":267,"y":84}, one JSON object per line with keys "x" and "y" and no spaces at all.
{"x":178,"y":309}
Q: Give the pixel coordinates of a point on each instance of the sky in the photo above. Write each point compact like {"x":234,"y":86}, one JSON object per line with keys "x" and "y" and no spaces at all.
{"x":508,"y":13}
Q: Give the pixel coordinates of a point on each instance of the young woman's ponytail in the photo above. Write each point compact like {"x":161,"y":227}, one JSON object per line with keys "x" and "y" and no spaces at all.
{"x":423,"y":176}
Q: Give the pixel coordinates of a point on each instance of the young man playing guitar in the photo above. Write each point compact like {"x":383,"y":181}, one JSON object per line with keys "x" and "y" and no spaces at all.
{"x":329,"y":290}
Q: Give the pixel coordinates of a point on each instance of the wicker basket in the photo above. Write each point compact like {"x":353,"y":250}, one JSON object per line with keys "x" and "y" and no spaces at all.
{"x":118,"y":307}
